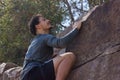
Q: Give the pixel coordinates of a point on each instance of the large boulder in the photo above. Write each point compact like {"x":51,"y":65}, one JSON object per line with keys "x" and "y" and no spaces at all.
{"x":4,"y":67}
{"x":12,"y":73}
{"x":97,"y":46}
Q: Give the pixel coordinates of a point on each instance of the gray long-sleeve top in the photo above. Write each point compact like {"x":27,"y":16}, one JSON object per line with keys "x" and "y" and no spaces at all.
{"x":41,"y":47}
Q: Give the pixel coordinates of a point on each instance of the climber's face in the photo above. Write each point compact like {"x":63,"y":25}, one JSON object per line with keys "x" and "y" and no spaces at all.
{"x":44,"y":24}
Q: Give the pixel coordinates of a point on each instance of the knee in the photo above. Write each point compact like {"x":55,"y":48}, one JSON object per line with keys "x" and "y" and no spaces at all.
{"x":70,"y":55}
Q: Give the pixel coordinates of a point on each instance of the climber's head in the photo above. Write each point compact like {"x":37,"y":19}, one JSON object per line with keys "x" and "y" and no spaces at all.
{"x":39,"y":25}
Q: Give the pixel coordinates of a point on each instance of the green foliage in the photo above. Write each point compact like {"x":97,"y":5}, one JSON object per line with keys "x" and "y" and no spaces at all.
{"x":92,"y":3}
{"x":14,"y":17}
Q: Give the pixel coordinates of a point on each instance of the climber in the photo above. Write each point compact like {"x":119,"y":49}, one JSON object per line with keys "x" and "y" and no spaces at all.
{"x":39,"y":63}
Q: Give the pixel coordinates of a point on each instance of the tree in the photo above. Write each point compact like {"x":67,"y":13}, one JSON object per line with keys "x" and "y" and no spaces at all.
{"x":92,"y":3}
{"x":14,"y":16}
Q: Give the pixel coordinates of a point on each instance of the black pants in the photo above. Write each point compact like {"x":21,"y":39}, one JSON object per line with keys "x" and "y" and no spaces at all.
{"x":45,"y":72}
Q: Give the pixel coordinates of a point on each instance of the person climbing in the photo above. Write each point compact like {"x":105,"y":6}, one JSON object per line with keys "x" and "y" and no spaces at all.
{"x":39,"y":63}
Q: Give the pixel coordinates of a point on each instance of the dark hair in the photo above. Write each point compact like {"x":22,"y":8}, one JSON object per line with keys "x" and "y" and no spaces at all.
{"x":34,"y":21}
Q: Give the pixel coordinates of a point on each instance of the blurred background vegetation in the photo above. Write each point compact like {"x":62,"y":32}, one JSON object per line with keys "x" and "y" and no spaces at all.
{"x":15,"y":15}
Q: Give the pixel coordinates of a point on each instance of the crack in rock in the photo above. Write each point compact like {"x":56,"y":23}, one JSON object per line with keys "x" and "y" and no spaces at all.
{"x":110,"y":50}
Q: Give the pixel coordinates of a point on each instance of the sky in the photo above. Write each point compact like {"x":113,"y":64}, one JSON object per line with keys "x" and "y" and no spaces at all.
{"x":76,"y":13}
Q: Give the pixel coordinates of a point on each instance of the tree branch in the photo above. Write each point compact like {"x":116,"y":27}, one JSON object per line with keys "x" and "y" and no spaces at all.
{"x":69,"y":9}
{"x":63,"y":25}
{"x":2,"y":3}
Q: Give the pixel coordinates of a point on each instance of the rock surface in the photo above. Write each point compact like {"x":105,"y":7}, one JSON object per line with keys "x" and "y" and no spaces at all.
{"x":12,"y":74}
{"x":4,"y":67}
{"x":97,"y":46}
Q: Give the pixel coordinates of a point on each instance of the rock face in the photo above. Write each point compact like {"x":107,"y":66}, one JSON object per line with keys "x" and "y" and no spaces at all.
{"x":12,"y":74}
{"x":97,"y":46}
{"x":4,"y":67}
{"x":9,"y":71}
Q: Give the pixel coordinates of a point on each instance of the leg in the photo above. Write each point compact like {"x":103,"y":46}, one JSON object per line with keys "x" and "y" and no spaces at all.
{"x":63,"y":64}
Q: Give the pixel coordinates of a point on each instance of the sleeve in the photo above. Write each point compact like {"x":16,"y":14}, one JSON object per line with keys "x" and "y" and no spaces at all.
{"x":62,"y":42}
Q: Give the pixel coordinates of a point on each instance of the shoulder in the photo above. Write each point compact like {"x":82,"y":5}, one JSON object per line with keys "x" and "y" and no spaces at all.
{"x":44,"y":37}
{"x":48,"y":36}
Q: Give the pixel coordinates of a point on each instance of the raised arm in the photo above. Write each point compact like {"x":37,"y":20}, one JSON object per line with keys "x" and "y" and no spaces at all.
{"x":64,"y":41}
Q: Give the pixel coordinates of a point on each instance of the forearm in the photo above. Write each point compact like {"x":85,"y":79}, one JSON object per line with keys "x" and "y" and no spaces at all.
{"x":64,"y":41}
{"x":69,"y":37}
